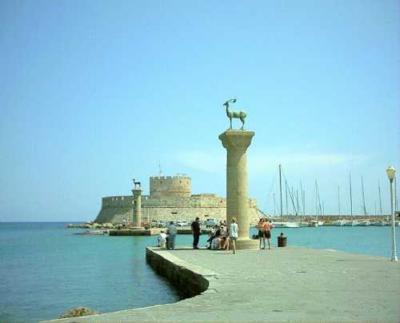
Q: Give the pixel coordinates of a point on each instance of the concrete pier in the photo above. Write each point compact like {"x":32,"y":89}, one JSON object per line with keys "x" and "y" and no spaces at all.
{"x":282,"y":284}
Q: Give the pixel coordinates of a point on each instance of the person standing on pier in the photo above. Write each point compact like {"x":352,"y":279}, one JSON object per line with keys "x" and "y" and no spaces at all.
{"x":233,"y":234}
{"x":267,"y":227}
{"x":261,"y":232}
{"x":171,"y":236}
{"x":196,"y":233}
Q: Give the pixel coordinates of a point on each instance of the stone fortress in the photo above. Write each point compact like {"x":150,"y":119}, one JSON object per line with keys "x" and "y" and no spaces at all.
{"x":170,"y":199}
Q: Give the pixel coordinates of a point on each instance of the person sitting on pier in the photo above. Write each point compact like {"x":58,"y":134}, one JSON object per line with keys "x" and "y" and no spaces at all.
{"x":224,"y":236}
{"x":162,"y":239}
{"x":215,"y":243}
{"x":212,"y":235}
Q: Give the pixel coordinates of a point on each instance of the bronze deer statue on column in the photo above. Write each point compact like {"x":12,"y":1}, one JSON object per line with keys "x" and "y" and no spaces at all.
{"x":234,"y":114}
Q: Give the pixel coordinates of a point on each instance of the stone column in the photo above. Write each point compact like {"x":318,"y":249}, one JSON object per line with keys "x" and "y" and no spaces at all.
{"x":137,"y":206}
{"x":236,"y":143}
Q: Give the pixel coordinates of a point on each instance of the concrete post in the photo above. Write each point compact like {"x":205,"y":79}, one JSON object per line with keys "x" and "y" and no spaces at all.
{"x":137,"y":206}
{"x":236,"y":143}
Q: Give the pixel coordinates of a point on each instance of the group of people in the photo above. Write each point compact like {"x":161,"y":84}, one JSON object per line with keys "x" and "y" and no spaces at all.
{"x":167,"y":239}
{"x":264,"y":232}
{"x":219,"y":238}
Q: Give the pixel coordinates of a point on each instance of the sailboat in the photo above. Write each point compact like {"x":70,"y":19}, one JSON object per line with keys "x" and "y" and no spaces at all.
{"x":284,"y":224}
{"x":379,"y":222}
{"x":352,"y":222}
{"x":342,"y":222}
{"x":318,"y":209}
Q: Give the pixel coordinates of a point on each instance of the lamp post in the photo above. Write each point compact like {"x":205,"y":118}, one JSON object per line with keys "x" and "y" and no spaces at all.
{"x":391,"y":173}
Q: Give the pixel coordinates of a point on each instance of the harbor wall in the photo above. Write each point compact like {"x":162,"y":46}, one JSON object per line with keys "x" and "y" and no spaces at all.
{"x":187,"y":280}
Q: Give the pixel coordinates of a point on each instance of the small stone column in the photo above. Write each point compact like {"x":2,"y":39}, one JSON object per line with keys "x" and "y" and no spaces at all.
{"x":236,"y":143}
{"x":137,"y":205}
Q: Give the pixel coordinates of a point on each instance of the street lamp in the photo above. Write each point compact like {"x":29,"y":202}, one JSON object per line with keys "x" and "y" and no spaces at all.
{"x":391,"y":173}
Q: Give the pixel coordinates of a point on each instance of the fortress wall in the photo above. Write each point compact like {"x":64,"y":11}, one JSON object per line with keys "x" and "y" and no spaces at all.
{"x":119,"y":209}
{"x":167,"y":213}
{"x":115,"y":215}
{"x":189,"y":214}
{"x":200,"y":200}
{"x":117,"y":201}
{"x":182,"y":213}
{"x":170,"y":186}
{"x":114,"y":209}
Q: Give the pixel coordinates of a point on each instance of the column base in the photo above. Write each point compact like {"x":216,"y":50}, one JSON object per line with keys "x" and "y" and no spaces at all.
{"x":247,"y":244}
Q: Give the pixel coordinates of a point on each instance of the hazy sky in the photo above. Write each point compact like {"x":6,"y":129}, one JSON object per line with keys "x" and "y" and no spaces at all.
{"x":95,"y":93}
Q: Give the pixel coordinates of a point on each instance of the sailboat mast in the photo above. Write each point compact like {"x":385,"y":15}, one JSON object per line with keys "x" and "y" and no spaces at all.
{"x":280,"y":188}
{"x":316,"y":199}
{"x":351,"y":197}
{"x":292,"y":197}
{"x":380,"y":199}
{"x":286,"y":199}
{"x":363,"y":196}
{"x":303,"y":198}
{"x":291,"y":193}
{"x":338,"y":194}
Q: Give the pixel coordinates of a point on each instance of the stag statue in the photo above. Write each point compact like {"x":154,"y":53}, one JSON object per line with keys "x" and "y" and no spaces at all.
{"x":234,"y":114}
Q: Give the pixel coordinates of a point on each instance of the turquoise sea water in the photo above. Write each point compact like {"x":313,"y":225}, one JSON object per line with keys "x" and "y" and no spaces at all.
{"x":46,"y":269}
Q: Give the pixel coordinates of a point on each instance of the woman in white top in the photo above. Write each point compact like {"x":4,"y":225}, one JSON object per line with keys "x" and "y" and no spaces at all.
{"x":233,"y":234}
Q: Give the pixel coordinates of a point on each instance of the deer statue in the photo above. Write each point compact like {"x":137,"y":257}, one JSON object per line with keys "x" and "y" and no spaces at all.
{"x":234,"y":114}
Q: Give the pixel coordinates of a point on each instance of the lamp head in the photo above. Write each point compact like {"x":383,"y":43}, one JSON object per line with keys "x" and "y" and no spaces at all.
{"x":391,"y":172}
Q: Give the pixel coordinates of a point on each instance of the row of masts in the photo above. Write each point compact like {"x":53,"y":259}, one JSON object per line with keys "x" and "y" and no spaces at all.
{"x":298,"y":203}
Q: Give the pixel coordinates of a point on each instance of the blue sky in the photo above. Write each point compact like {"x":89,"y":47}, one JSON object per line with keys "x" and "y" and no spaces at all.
{"x":95,"y":93}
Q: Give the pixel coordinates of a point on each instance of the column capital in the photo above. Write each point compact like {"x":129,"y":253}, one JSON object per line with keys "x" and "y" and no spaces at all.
{"x":236,"y":139}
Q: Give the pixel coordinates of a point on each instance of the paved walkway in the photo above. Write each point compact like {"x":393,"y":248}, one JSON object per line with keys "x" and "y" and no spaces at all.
{"x":282,"y":284}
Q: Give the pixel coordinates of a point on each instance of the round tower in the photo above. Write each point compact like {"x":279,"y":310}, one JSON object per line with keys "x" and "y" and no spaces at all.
{"x":179,"y":186}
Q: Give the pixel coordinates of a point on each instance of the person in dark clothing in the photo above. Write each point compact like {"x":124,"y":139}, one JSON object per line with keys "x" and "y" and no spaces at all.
{"x":196,"y":233}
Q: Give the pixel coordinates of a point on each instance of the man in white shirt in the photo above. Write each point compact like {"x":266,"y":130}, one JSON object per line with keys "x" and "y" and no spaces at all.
{"x":233,"y":234}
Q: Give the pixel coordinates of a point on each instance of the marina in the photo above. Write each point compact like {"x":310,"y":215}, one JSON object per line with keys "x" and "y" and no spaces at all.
{"x":278,"y":222}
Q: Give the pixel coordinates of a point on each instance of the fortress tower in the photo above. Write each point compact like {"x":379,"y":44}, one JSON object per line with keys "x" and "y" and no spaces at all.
{"x":179,"y":186}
